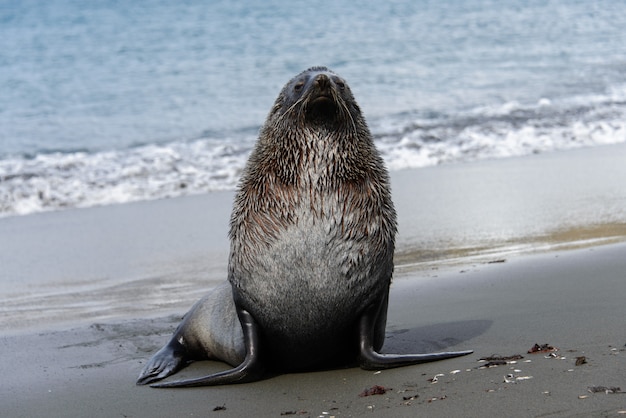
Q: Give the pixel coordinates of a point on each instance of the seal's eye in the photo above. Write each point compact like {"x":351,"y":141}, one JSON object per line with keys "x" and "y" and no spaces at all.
{"x":298,"y":87}
{"x":340,"y":84}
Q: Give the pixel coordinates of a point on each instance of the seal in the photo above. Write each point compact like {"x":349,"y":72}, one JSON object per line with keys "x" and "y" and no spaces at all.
{"x":312,"y":236}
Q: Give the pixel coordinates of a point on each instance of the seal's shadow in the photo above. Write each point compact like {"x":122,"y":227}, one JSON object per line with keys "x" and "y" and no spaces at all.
{"x":433,"y":338}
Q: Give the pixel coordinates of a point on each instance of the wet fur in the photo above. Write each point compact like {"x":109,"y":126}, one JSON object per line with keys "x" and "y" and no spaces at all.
{"x":313,"y":226}
{"x":312,"y":236}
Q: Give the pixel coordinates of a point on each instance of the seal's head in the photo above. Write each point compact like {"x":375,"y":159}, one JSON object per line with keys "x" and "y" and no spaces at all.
{"x":315,"y":130}
{"x":318,"y":97}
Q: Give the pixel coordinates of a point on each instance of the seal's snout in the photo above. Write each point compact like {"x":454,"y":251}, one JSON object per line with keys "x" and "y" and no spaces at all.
{"x":321,"y":103}
{"x":322,"y":81}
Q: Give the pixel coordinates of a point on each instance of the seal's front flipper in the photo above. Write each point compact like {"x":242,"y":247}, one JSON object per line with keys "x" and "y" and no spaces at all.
{"x":167,"y":361}
{"x":370,"y":359}
{"x":249,"y":370}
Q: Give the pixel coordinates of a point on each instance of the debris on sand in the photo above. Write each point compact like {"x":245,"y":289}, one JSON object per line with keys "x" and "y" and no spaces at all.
{"x":581,"y":360}
{"x":511,"y":378}
{"x":494,"y":363}
{"x":543,"y":348}
{"x":374,"y":390}
{"x":293,"y":413}
{"x":605,"y":389}
{"x":502,"y":358}
{"x":495,"y":360}
{"x":435,"y":379}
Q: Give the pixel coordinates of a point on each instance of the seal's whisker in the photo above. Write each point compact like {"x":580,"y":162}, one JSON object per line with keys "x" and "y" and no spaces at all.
{"x":346,"y":111}
{"x":290,"y":109}
{"x":355,"y":131}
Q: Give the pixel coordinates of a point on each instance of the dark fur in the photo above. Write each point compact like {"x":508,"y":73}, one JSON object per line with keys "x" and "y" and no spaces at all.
{"x":313,"y":225}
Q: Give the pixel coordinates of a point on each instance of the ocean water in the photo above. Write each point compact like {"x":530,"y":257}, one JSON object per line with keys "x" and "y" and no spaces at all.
{"x":109,"y":101}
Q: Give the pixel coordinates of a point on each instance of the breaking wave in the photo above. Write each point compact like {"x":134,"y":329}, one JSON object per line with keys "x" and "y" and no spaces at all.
{"x":57,"y":180}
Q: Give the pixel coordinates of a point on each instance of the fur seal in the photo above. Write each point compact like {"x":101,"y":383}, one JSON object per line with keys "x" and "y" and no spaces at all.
{"x":312,"y":237}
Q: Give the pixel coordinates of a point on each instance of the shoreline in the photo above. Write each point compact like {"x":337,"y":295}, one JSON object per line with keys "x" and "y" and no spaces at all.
{"x":80,"y":265}
{"x":493,"y":256}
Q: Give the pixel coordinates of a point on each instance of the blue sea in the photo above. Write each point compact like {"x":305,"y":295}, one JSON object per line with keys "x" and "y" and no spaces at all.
{"x":107,"y":101}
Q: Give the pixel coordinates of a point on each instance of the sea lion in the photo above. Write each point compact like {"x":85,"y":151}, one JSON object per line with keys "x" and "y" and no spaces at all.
{"x":312,"y":236}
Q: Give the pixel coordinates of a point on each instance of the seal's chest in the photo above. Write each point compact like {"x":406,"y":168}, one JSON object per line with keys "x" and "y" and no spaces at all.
{"x":321,"y":157}
{"x":310,"y":245}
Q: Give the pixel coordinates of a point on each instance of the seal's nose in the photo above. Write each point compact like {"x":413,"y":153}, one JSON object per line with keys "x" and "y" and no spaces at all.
{"x":322,"y":81}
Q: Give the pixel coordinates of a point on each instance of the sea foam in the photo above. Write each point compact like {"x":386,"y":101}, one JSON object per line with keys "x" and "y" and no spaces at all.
{"x":52,"y":181}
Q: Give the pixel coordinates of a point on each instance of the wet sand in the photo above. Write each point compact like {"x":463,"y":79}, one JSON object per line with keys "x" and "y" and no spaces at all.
{"x":493,"y":256}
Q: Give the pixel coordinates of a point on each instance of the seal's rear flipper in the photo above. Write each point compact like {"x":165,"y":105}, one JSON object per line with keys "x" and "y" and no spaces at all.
{"x":369,"y":359}
{"x":249,"y":370}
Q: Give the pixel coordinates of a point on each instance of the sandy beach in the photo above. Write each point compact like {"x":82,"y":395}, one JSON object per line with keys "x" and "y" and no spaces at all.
{"x":493,"y":256}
